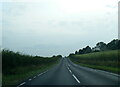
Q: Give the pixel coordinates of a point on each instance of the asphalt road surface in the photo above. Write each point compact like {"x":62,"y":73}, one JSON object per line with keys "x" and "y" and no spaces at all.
{"x":68,"y":73}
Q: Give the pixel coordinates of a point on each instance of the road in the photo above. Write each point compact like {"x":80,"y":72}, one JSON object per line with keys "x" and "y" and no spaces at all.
{"x":68,"y":73}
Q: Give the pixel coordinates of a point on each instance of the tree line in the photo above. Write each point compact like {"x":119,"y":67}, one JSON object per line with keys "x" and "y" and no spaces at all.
{"x":100,"y":46}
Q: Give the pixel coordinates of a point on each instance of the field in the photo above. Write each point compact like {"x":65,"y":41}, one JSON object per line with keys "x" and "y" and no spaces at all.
{"x":105,"y":60}
{"x":17,"y":67}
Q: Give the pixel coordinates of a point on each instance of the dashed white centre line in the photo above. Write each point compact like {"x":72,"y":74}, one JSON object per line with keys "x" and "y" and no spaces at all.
{"x":76,"y":78}
{"x":73,"y":75}
{"x":68,"y":65}
{"x":70,"y":71}
{"x":68,"y":68}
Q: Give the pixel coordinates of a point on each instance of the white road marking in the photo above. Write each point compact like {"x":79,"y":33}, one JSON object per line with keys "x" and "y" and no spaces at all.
{"x":42,"y":73}
{"x":99,"y":70}
{"x":34,"y":77}
{"x":30,"y":79}
{"x":21,"y":84}
{"x":103,"y":71}
{"x":73,"y":75}
{"x":75,"y":65}
{"x":108,"y":72}
{"x":70,"y":71}
{"x":68,"y":65}
{"x":45,"y":71}
{"x":76,"y":78}
{"x":39,"y":74}
{"x":68,"y":68}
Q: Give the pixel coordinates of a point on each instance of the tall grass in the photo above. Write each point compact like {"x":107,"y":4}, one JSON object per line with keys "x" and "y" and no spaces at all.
{"x":107,"y":60}
{"x":17,"y":67}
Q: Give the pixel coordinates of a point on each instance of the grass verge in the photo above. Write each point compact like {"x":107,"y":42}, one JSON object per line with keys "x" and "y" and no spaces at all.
{"x":17,"y":78}
{"x":17,"y":67}
{"x":107,"y":60}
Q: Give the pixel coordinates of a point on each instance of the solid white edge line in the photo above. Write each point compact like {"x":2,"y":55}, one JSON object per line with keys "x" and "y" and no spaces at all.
{"x":114,"y":74}
{"x":108,"y":73}
{"x":76,"y":78}
{"x":75,"y":65}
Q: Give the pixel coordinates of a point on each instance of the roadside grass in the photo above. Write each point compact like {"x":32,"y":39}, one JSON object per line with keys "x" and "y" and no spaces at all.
{"x":28,"y":73}
{"x":18,"y":67}
{"x":105,"y":60}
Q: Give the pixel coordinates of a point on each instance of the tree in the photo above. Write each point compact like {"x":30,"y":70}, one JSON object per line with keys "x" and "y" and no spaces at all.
{"x":101,"y":46}
{"x":60,"y":56}
{"x":80,"y":51}
{"x":113,"y":45}
{"x":76,"y":52}
{"x":71,"y":54}
{"x":88,"y":49}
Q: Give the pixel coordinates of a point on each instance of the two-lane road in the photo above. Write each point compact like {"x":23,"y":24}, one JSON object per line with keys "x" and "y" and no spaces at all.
{"x":68,"y":73}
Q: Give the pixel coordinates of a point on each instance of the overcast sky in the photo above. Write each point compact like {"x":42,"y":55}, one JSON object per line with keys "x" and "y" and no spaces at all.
{"x":51,"y":27}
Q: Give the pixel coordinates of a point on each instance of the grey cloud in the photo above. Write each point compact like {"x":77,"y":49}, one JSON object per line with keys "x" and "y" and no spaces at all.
{"x":42,"y":29}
